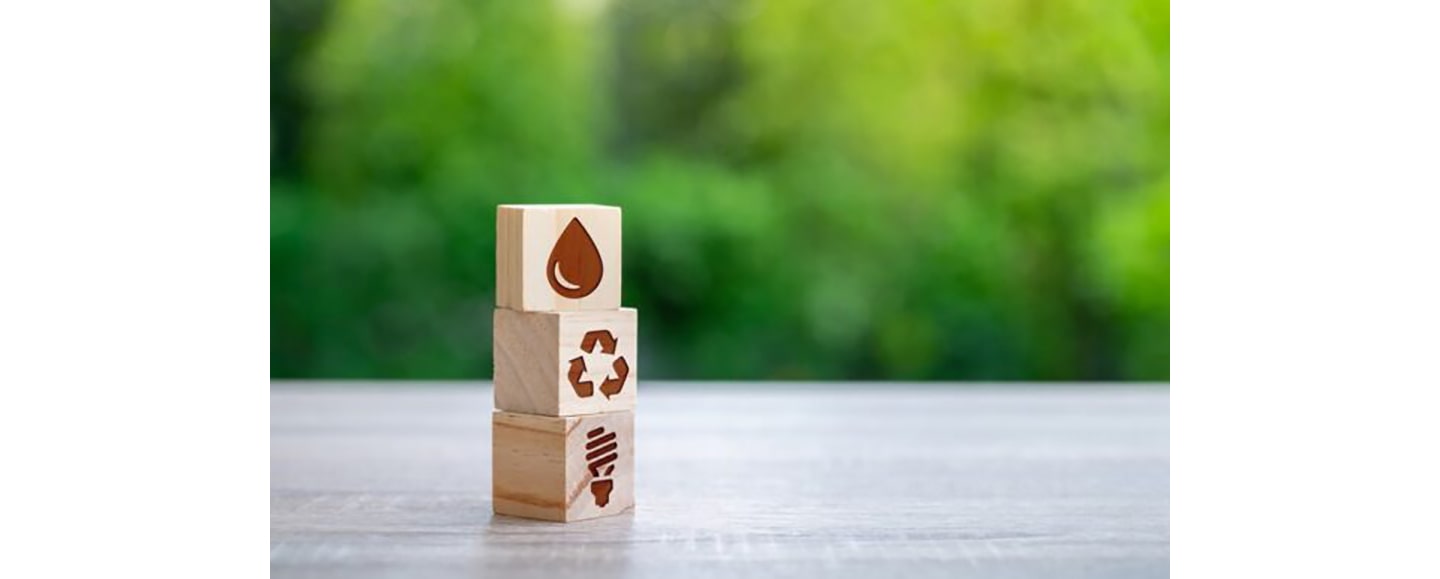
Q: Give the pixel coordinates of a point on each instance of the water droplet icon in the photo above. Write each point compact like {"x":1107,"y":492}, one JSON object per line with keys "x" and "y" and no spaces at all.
{"x":574,"y":268}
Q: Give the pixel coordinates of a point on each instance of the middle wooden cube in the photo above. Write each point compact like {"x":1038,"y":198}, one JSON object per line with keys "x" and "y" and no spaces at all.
{"x":565,"y":363}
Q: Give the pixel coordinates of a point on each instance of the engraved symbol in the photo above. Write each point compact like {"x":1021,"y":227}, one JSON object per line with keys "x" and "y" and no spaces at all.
{"x":601,"y":454}
{"x":574,"y":269}
{"x":620,"y":368}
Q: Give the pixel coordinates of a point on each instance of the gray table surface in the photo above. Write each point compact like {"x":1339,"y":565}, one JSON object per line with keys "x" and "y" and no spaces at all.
{"x":738,"y":479}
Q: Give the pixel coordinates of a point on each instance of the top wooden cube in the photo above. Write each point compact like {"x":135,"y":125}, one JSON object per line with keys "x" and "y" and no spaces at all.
{"x":557,"y":257}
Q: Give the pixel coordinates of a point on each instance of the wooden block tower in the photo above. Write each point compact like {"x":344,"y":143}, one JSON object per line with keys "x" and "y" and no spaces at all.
{"x":565,"y":365}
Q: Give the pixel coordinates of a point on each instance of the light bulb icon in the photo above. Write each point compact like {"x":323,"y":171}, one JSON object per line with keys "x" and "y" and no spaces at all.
{"x":601,"y":454}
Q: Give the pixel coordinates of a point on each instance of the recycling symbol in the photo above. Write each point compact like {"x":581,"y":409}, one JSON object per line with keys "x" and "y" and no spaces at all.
{"x":620,"y":368}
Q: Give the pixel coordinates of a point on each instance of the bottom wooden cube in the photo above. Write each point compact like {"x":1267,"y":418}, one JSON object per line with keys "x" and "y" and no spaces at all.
{"x":564,"y":468}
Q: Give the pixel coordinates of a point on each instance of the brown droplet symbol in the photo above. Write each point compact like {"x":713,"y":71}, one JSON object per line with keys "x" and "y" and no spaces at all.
{"x":603,"y":454}
{"x":574,"y":269}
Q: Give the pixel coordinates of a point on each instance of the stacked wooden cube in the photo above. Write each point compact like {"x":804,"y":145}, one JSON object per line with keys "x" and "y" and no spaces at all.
{"x":565,"y":365}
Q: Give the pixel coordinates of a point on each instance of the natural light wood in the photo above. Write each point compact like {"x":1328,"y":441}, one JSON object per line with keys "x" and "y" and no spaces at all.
{"x":548,"y":467}
{"x":535,"y":354}
{"x":526,"y":237}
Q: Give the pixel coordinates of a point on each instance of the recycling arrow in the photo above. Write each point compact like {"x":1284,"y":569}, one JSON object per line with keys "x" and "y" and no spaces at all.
{"x":612,"y":386}
{"x":583,"y":388}
{"x":621,"y":368}
{"x":606,"y":340}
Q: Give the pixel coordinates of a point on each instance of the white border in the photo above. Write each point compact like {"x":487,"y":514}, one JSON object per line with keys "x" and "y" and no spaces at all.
{"x":134,"y":143}
{"x":1304,"y":292}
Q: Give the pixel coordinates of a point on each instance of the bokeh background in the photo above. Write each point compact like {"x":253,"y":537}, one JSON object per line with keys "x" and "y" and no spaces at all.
{"x":813,"y":189}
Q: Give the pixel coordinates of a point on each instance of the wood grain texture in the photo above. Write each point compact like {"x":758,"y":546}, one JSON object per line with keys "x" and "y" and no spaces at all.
{"x":541,"y":465}
{"x":738,"y":480}
{"x":535,"y":354}
{"x":525,"y":238}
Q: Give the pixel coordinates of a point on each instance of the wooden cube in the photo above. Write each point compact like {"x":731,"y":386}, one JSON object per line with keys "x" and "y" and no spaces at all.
{"x":557,"y":257}
{"x":564,"y":468}
{"x":565,"y":363}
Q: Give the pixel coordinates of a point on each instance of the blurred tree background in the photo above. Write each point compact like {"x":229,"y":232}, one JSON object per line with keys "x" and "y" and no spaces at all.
{"x":813,"y":189}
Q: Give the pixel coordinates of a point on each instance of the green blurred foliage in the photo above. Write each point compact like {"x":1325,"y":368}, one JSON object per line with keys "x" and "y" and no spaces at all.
{"x":910,"y":189}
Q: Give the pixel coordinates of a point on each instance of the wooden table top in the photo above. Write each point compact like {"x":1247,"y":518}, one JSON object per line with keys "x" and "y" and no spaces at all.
{"x":738,"y":479}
